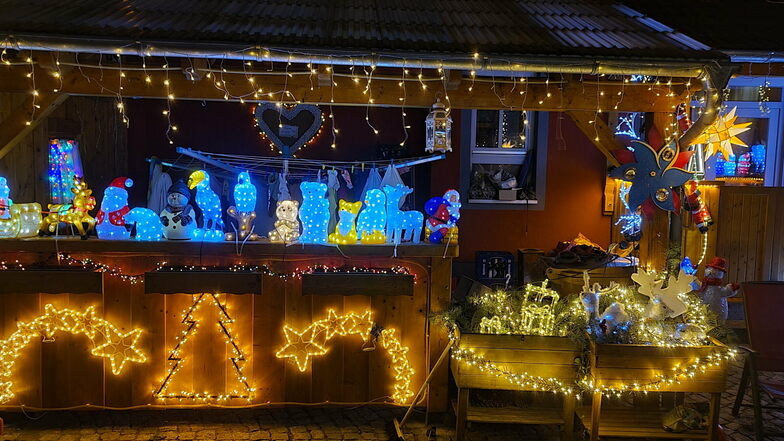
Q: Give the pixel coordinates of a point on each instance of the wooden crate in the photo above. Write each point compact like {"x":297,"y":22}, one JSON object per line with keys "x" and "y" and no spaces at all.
{"x":616,"y":364}
{"x":570,"y":280}
{"x":549,"y":357}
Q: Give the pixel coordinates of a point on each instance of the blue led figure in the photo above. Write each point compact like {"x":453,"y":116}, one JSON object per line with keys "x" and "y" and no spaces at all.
{"x":244,"y":209}
{"x":372,"y":221}
{"x":687,"y":267}
{"x":148,"y":224}
{"x":209,"y":203}
{"x":314,"y":213}
{"x":110,"y":220}
{"x":244,"y":193}
{"x":400,"y":223}
{"x":758,"y":153}
{"x":5,"y":199}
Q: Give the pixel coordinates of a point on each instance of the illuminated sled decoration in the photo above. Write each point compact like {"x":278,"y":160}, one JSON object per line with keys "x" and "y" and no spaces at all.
{"x":108,"y":341}
{"x":301,"y":346}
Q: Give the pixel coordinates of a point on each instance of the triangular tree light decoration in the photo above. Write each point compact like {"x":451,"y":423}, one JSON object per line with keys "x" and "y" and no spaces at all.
{"x":176,"y":358}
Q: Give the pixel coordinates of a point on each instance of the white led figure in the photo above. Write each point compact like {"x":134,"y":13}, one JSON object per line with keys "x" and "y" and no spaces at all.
{"x":17,"y":220}
{"x":110,"y":221}
{"x":401,"y":223}
{"x":314,"y":213}
{"x":244,"y":208}
{"x":372,"y":222}
{"x":210,"y":206}
{"x":148,"y":224}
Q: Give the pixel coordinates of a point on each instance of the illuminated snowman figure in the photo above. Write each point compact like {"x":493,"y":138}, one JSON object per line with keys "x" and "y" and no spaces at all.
{"x":110,"y":221}
{"x":314,"y":213}
{"x":5,"y":199}
{"x":210,"y":205}
{"x":177,"y":216}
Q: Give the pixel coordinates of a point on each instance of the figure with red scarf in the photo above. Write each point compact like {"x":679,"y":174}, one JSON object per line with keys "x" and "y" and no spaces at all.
{"x":110,"y":221}
{"x":712,"y":292}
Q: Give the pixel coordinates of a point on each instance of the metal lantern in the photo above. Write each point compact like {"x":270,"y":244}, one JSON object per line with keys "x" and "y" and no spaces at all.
{"x":438,"y":129}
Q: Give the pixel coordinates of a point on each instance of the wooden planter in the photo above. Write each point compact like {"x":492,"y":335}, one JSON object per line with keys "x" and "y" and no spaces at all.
{"x":616,"y":364}
{"x":549,"y":357}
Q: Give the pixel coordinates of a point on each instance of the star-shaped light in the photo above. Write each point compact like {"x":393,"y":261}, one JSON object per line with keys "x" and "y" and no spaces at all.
{"x":52,"y":321}
{"x":334,"y":324}
{"x":120,"y":348}
{"x":301,"y":345}
{"x":653,"y":174}
{"x":720,"y":136}
{"x":360,"y":324}
{"x":84,"y":323}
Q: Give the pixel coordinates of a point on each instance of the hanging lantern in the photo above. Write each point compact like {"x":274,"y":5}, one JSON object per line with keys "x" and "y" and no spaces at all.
{"x":438,"y":129}
{"x":696,"y":163}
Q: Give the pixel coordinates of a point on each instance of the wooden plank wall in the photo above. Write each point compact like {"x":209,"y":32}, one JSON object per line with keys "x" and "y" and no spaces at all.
{"x":751,"y":233}
{"x":92,"y":121}
{"x":692,"y":239}
{"x":63,"y":373}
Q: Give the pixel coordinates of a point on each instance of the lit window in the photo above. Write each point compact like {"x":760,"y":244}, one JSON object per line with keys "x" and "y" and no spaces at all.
{"x":502,"y":158}
{"x":64,"y":164}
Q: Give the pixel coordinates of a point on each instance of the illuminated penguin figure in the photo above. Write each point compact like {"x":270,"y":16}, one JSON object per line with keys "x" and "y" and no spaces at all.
{"x":314,"y":213}
{"x":148,"y":224}
{"x":210,"y":206}
{"x":372,"y":222}
{"x":244,"y":208}
{"x":110,"y":220}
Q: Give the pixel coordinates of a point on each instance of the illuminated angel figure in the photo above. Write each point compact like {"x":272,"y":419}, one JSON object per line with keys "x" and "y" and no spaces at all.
{"x":210,"y":205}
{"x":720,"y":136}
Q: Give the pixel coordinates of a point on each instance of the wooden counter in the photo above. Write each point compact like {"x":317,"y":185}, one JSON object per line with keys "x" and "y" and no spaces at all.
{"x":63,"y":373}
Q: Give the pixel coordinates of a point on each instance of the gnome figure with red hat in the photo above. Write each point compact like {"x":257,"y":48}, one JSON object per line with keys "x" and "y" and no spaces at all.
{"x":110,"y":221}
{"x":713,"y":293}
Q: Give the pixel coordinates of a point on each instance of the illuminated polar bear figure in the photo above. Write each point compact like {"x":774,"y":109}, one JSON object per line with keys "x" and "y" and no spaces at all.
{"x":148,"y":224}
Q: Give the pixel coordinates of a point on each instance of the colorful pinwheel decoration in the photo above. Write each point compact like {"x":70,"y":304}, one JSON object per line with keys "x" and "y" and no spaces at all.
{"x":653,"y":175}
{"x":720,"y":136}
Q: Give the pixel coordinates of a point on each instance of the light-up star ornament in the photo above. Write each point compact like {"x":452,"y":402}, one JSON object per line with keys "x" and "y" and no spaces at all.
{"x":653,"y":174}
{"x":301,"y":345}
{"x":720,"y":136}
{"x":120,"y":348}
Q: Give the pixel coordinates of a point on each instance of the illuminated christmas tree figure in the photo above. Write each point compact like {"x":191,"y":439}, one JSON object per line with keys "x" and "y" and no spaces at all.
{"x":176,"y":359}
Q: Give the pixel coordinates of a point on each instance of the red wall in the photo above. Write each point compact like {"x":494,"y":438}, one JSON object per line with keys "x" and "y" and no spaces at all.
{"x":573,"y":200}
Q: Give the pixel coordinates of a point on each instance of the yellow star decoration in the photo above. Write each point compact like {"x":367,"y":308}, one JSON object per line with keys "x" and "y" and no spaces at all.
{"x":101,"y":333}
{"x":301,"y":346}
{"x":121,"y":348}
{"x":720,"y":136}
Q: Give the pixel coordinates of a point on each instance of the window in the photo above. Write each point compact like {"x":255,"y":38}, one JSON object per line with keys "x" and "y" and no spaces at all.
{"x":501,"y":157}
{"x":64,"y":164}
{"x":760,"y":161}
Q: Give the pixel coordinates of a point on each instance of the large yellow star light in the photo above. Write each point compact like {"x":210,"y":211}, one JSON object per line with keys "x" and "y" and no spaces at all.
{"x":108,"y":341}
{"x":120,"y":348}
{"x":720,"y":136}
{"x":301,"y":345}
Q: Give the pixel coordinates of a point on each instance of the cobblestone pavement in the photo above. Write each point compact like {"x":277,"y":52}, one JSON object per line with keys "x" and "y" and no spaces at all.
{"x":299,"y":423}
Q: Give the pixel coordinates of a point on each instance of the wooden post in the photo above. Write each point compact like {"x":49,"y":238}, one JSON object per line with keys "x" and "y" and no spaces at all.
{"x":568,"y":416}
{"x":713,"y":416}
{"x":440,"y":295}
{"x":596,"y":411}
{"x":461,"y":413}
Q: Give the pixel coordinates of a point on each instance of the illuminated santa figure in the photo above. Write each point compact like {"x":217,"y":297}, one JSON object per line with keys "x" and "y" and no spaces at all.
{"x":110,"y":221}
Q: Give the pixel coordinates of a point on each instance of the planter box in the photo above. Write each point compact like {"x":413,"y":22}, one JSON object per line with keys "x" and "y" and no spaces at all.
{"x":570,"y":280}
{"x":616,"y":364}
{"x":548,"y":357}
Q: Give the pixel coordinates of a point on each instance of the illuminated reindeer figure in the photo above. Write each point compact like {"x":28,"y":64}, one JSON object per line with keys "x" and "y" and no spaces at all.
{"x":75,"y":213}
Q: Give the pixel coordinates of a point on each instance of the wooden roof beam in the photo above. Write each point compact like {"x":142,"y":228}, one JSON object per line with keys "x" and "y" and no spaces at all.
{"x":531,"y":94}
{"x":598,"y":132}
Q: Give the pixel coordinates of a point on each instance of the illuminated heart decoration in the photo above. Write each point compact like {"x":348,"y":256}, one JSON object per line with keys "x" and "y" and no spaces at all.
{"x":288,"y":128}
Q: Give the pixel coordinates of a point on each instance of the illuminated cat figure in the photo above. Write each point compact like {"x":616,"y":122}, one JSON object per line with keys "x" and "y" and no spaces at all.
{"x":373,"y":218}
{"x":346,"y":229}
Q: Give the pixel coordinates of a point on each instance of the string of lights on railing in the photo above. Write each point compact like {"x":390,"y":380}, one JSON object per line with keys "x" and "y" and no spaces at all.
{"x":65,"y":260}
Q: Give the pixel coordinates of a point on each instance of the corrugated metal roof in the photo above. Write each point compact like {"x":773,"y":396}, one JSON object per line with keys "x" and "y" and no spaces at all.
{"x":514,"y":27}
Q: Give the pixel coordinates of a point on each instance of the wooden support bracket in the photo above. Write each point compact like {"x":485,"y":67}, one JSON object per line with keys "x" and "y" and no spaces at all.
{"x":18,"y":124}
{"x":597,"y":131}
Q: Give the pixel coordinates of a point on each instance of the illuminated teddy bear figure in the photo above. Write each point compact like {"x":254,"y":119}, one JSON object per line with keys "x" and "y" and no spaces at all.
{"x":148,"y":224}
{"x":346,"y":228}
{"x":314,"y":213}
{"x":287,"y":226}
{"x":373,"y":219}
{"x":110,"y":220}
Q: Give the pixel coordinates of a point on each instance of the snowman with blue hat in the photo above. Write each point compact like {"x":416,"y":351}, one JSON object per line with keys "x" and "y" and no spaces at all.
{"x":177,"y":216}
